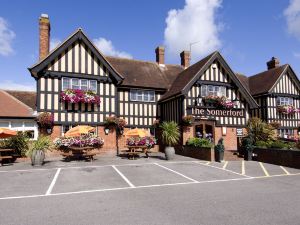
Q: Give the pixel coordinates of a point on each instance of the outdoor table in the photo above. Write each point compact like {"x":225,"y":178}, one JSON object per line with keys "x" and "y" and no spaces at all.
{"x":136,"y":150}
{"x":80,"y":152}
{"x":5,"y":153}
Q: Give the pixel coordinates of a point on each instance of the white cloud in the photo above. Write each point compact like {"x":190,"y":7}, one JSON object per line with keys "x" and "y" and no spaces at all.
{"x":292,"y":16}
{"x":12,"y":85}
{"x":6,"y":38}
{"x":296,"y":55}
{"x":54,"y":42}
{"x":106,"y":47}
{"x":196,"y":22}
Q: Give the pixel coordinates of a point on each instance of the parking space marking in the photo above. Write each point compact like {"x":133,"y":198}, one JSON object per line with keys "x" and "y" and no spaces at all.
{"x":285,"y":170}
{"x":147,"y":186}
{"x":180,"y":174}
{"x":53,"y":182}
{"x":207,"y":163}
{"x":264,"y":169}
{"x":223,"y":169}
{"x":123,"y":176}
{"x":225,"y":164}
{"x":243,"y":168}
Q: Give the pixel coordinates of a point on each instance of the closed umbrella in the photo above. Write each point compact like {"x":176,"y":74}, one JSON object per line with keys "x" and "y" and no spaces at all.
{"x":79,"y":130}
{"x":6,"y":133}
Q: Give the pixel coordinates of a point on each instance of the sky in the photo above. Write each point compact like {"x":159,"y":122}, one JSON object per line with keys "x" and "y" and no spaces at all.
{"x":247,"y":33}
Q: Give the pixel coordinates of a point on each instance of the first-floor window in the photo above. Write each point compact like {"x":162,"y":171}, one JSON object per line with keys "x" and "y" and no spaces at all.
{"x":213,"y":90}
{"x":284,"y":101}
{"x":82,"y":84}
{"x":142,"y":95}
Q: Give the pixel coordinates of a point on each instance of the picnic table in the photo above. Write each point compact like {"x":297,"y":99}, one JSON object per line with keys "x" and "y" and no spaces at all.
{"x":6,"y":153}
{"x":134,"y":151}
{"x":79,"y":153}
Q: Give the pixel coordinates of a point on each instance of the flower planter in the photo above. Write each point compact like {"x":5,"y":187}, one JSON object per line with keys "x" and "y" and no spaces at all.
{"x":219,"y":156}
{"x":203,"y":153}
{"x":37,"y":158}
{"x":169,"y":153}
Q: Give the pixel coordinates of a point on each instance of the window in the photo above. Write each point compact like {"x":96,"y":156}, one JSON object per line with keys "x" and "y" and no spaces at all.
{"x":141,"y":95}
{"x":4,"y":124}
{"x":284,"y":101}
{"x":93,"y":86}
{"x":82,"y":84}
{"x":213,"y":90}
{"x":66,"y":83}
{"x":75,"y":84}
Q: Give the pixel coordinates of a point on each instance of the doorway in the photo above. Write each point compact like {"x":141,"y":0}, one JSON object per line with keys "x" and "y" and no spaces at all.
{"x":205,"y":129}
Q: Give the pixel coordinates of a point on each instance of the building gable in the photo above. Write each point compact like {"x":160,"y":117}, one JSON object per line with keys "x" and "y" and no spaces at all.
{"x":76,"y":55}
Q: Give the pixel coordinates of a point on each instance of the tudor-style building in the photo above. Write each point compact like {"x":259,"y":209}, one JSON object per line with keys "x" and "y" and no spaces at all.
{"x":141,"y":92}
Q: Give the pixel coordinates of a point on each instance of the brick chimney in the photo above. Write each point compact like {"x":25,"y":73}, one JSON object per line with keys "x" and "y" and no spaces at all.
{"x":160,"y":55}
{"x":273,"y":63}
{"x":185,"y":59}
{"x":44,"y":38}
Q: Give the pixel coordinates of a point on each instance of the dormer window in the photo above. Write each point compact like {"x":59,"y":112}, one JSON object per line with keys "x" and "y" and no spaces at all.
{"x":282,"y":101}
{"x":213,"y":90}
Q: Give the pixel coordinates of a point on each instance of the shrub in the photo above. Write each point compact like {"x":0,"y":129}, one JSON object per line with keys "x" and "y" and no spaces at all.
{"x":262,"y":144}
{"x":42,"y":143}
{"x":45,"y":120}
{"x":19,"y":143}
{"x":199,"y":142}
{"x":278,"y":144}
{"x":259,"y":130}
{"x":170,"y":133}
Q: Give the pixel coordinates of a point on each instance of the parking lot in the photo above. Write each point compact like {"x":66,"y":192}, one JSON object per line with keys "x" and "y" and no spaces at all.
{"x":188,"y":178}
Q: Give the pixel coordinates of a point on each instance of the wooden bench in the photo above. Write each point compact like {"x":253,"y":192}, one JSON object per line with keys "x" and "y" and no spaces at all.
{"x":6,"y":154}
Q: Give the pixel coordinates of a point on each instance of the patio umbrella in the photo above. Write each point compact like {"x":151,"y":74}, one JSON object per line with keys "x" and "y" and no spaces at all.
{"x":79,"y":130}
{"x":6,"y":133}
{"x":136,"y":133}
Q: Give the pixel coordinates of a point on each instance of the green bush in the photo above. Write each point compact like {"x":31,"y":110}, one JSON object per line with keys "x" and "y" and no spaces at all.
{"x":19,"y":143}
{"x":262,"y":144}
{"x":42,"y":143}
{"x":199,"y":142}
{"x":278,"y":144}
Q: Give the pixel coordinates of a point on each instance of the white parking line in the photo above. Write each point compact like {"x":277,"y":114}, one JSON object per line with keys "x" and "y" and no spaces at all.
{"x":225,"y":164}
{"x":148,"y":186}
{"x":243,"y":168}
{"x":284,"y":169}
{"x":53,"y":182}
{"x":223,"y":169}
{"x":180,"y":174}
{"x":123,"y":176}
{"x":264,"y":169}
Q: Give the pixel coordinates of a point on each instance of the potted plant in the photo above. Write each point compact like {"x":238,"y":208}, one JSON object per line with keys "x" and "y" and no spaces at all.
{"x":37,"y":150}
{"x":187,"y":120}
{"x":248,"y":147}
{"x":45,"y":121}
{"x":170,"y":136}
{"x":219,"y":150}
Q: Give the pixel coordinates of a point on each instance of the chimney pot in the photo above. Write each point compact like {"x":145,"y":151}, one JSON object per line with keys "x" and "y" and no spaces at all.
{"x":160,"y":55}
{"x":273,"y":63}
{"x":185,"y":59}
{"x":44,"y":36}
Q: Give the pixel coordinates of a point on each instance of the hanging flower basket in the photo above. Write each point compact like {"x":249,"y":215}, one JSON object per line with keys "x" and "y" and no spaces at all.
{"x":219,"y":101}
{"x":287,"y":109}
{"x":45,"y":120}
{"x":79,"y":96}
{"x":187,"y":120}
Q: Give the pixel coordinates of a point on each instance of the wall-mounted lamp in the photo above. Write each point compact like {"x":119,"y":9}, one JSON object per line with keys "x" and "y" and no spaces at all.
{"x":224,"y":131}
{"x":49,"y":130}
{"x":106,"y":130}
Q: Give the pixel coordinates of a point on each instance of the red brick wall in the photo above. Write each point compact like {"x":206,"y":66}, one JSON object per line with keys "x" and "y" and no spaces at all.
{"x":230,"y":139}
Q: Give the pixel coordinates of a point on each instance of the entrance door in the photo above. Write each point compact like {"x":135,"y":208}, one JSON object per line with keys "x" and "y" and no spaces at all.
{"x":205,"y":130}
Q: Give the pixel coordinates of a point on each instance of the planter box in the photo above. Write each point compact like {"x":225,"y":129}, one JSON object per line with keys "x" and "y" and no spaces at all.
{"x":196,"y":152}
{"x":289,"y":158}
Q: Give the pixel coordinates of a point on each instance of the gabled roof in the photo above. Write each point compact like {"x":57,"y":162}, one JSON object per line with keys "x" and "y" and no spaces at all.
{"x":145,"y":74}
{"x":77,"y":35}
{"x":11,"y":106}
{"x":26,"y":97}
{"x":189,"y":76}
{"x":262,"y":83}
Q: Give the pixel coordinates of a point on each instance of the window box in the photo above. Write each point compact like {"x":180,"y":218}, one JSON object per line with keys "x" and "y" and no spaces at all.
{"x":219,"y":101}
{"x":80,"y":96}
{"x":287,"y":109}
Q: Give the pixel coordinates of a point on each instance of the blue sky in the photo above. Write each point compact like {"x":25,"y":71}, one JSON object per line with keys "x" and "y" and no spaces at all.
{"x":247,"y":33}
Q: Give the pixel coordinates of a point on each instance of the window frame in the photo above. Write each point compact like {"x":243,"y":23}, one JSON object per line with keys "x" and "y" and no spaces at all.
{"x":282,"y":101}
{"x":79,"y":85}
{"x":138,"y":95}
{"x":212,"y":90}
